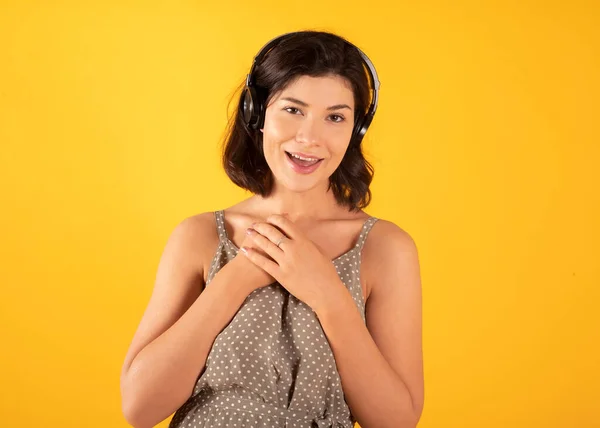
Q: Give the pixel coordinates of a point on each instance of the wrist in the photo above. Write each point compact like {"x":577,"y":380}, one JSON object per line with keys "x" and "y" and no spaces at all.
{"x":246,"y":272}
{"x":332,"y":301}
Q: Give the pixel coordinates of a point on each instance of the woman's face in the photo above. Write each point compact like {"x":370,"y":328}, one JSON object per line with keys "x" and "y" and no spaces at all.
{"x":312,"y":118}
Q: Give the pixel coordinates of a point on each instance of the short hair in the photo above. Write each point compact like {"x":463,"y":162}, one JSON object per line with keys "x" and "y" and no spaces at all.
{"x":305,"y":53}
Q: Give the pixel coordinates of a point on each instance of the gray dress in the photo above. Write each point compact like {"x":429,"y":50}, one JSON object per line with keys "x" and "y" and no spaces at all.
{"x":272,"y":365}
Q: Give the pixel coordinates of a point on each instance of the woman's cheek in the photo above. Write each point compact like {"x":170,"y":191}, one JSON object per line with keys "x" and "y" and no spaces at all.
{"x":280,"y":128}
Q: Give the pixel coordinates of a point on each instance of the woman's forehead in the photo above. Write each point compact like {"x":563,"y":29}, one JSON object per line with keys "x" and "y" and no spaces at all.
{"x":322,"y":91}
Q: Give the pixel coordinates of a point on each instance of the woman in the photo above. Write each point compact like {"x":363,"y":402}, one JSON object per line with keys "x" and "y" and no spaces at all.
{"x":310,"y":323}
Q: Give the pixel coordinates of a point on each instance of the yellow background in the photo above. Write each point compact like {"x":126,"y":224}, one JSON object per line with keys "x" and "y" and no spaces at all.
{"x":486,"y":149}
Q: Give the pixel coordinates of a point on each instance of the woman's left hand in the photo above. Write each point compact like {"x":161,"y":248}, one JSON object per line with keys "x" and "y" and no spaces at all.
{"x":298,"y":265}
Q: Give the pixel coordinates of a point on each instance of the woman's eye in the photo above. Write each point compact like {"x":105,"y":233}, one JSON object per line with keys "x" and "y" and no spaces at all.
{"x":336,"y":118}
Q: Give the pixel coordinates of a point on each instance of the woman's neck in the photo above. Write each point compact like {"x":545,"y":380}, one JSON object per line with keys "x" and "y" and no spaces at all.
{"x":300,"y":206}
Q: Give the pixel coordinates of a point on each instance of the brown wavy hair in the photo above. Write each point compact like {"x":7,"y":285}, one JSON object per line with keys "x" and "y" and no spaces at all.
{"x":309,"y":53}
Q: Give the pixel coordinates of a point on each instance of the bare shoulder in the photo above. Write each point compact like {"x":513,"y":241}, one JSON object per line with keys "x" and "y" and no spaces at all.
{"x":197,"y":235}
{"x":387,"y":235}
{"x":201,"y":224}
{"x":387,"y":248}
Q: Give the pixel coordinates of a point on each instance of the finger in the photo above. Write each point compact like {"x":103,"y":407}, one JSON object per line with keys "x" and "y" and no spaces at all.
{"x":262,"y":262}
{"x":271,"y":232}
{"x":265,"y":244}
{"x":285,"y":224}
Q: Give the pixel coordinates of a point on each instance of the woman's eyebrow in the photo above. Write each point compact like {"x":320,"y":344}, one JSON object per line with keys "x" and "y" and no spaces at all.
{"x":303,"y":104}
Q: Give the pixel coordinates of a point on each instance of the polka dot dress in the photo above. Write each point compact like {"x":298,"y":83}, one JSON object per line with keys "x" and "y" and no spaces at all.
{"x":272,"y":365}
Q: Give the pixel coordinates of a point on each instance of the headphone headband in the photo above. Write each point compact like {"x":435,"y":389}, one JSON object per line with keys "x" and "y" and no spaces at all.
{"x":252,"y":100}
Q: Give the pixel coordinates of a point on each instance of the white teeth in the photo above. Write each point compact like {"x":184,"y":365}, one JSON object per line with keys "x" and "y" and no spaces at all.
{"x":300,"y":157}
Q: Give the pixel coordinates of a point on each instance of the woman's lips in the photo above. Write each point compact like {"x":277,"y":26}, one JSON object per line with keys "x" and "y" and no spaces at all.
{"x":304,"y":155}
{"x":301,"y":169}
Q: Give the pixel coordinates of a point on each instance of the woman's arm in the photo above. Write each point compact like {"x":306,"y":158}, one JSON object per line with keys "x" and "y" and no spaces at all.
{"x":180,"y":324}
{"x":380,"y":364}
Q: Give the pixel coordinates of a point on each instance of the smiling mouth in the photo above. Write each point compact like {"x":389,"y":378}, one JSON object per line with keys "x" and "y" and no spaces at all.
{"x":303,"y":161}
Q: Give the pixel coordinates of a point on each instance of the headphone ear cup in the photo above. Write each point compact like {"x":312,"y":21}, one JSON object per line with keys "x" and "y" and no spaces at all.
{"x":361,"y":127}
{"x":359,"y":131}
{"x":252,"y":107}
{"x":259,"y":97}
{"x":247,"y":105}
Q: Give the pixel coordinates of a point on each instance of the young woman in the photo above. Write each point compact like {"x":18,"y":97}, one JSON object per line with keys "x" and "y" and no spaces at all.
{"x":278,"y":311}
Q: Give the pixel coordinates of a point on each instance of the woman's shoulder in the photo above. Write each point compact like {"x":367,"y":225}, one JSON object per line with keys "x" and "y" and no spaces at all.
{"x":198,"y":231}
{"x":205,"y":224}
{"x":384,"y":252}
{"x":199,"y":224}
{"x":387,"y":236}
{"x":385,"y":243}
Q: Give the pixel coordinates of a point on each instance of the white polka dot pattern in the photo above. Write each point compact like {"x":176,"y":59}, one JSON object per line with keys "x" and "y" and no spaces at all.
{"x":272,"y":365}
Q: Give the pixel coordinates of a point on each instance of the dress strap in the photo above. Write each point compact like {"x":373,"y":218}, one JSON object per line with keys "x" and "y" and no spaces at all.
{"x":220,"y":220}
{"x":364,"y":232}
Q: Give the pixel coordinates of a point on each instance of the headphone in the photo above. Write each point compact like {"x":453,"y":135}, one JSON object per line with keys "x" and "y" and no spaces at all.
{"x":253,"y":97}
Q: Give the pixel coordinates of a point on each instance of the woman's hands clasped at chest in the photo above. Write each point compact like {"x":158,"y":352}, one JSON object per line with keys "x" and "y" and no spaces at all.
{"x":293,"y":260}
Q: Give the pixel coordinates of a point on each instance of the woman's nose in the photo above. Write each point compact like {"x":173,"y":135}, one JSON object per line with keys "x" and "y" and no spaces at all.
{"x":309,"y":131}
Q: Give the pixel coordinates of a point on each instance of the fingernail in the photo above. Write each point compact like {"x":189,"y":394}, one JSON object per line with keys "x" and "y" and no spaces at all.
{"x":249,"y":231}
{"x":244,"y":250}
